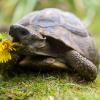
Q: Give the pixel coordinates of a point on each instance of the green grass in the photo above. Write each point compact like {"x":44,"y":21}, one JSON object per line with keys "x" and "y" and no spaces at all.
{"x":48,"y":86}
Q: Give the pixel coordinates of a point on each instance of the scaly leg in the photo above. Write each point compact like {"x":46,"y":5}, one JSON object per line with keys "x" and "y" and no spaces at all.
{"x":81,"y":65}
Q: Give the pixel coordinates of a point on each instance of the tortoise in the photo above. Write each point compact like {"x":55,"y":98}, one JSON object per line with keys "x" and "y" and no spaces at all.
{"x":55,"y":38}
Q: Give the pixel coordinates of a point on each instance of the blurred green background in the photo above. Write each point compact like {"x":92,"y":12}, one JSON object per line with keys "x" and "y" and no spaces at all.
{"x":87,"y":10}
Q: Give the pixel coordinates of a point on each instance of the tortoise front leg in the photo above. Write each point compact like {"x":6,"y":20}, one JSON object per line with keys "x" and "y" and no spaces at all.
{"x":81,"y":65}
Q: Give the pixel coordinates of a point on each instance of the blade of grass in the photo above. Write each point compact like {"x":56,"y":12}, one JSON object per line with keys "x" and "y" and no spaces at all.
{"x":23,"y":7}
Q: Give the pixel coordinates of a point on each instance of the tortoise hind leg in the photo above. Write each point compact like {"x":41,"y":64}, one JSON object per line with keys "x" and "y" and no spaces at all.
{"x":81,"y":65}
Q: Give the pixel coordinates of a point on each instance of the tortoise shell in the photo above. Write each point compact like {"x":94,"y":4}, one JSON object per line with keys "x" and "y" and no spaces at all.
{"x":61,"y":29}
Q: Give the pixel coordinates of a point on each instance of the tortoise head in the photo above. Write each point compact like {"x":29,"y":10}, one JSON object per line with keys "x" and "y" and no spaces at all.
{"x":31,"y":41}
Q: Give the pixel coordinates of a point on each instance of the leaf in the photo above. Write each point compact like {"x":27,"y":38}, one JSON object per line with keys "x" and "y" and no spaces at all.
{"x":72,"y":4}
{"x":90,"y":8}
{"x":23,"y":7}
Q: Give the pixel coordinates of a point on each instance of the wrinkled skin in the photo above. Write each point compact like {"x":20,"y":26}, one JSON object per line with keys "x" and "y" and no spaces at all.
{"x":46,"y":44}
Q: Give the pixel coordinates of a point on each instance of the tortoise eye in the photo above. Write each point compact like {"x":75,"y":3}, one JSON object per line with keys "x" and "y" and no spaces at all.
{"x":23,"y":32}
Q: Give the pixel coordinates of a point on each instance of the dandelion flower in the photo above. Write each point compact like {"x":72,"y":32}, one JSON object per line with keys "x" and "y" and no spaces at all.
{"x":6,"y":46}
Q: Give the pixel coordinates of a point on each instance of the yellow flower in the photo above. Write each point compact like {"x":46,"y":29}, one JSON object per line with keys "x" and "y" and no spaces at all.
{"x":6,"y":46}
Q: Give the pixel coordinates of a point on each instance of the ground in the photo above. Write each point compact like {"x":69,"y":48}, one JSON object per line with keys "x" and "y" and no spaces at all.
{"x":48,"y":86}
